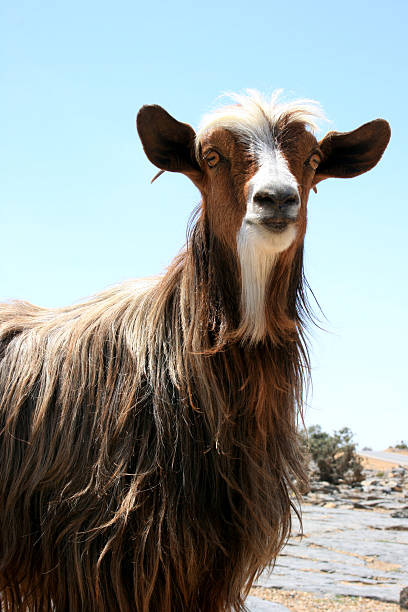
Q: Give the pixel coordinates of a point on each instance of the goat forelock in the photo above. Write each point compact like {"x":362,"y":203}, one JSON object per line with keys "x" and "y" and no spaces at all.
{"x":256,"y":119}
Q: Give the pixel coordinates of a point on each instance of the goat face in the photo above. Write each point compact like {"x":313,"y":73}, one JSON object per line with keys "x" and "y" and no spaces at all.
{"x":255,"y":163}
{"x":256,"y":183}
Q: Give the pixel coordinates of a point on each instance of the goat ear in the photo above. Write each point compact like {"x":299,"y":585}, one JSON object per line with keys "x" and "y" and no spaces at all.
{"x":168,"y":143}
{"x":349,"y":154}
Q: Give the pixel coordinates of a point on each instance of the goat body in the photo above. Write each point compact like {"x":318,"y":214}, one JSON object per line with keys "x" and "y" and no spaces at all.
{"x":149,"y":448}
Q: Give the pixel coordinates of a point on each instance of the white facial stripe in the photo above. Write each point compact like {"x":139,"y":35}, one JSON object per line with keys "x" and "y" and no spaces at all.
{"x":272,"y":170}
{"x":273,"y":173}
{"x":258,"y":247}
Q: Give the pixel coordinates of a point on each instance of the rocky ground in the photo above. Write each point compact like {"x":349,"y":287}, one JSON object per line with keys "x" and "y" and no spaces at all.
{"x":384,"y":491}
{"x":354,"y":551}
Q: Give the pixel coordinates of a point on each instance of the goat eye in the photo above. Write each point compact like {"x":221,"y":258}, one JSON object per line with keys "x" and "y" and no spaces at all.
{"x":212,"y":158}
{"x":314,"y":161}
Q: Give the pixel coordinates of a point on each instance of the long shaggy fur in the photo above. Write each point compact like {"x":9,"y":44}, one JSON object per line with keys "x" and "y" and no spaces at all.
{"x":148,"y":457}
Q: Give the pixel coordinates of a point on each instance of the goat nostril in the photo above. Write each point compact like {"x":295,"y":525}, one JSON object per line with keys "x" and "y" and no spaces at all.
{"x":264,"y":200}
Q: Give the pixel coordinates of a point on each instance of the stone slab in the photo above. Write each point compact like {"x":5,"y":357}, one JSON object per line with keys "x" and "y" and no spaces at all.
{"x":254,"y":604}
{"x":344,"y":552}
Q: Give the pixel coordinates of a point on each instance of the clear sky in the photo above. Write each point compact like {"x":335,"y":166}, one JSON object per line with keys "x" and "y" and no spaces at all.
{"x":77,"y":209}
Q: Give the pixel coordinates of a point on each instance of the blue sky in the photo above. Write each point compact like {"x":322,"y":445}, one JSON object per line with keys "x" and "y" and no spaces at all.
{"x":77,"y":208}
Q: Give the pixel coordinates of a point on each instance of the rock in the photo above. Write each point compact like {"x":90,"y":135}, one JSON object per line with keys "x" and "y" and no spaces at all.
{"x":403,"y":602}
{"x":254,"y":604}
{"x":360,"y":506}
{"x":345,"y":506}
{"x":397,"y":528}
{"x":322,"y":487}
{"x":387,"y":492}
{"x":400,"y":513}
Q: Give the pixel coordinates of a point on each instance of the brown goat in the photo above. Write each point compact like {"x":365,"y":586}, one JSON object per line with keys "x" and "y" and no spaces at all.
{"x":149,"y":453}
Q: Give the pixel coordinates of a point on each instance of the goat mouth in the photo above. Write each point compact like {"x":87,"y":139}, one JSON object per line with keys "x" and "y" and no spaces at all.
{"x":276,"y":225}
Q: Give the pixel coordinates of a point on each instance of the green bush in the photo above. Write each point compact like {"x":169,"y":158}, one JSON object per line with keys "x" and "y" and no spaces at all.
{"x":402,"y":445}
{"x":335,"y":456}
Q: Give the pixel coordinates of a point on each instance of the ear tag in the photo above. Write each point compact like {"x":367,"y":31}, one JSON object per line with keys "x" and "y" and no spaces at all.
{"x":156,"y":176}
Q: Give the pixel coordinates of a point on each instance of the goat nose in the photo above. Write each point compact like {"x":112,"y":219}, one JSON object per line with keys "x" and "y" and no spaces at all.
{"x":278,"y":198}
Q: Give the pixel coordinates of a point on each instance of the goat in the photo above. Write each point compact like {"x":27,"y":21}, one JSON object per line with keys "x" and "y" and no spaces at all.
{"x":149,"y":448}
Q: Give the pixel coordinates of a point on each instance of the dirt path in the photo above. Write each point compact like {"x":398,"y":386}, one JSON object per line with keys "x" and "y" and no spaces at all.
{"x":383,"y":460}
